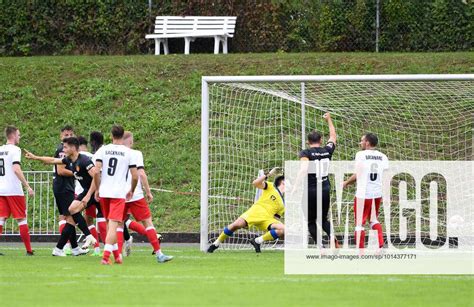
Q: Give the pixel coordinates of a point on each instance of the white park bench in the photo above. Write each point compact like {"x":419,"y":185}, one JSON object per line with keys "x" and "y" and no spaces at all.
{"x":190,"y":28}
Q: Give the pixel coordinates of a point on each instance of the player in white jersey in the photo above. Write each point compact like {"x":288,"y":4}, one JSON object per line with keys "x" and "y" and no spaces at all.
{"x":12,"y":198}
{"x":115,"y":161}
{"x":370,"y":165}
{"x":138,"y":205}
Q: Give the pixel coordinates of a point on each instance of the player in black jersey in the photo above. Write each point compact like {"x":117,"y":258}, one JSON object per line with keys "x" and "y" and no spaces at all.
{"x":316,"y":152}
{"x":83,"y":169}
{"x":63,"y":180}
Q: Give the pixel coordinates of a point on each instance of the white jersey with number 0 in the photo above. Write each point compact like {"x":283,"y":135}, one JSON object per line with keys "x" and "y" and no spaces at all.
{"x":10,"y":185}
{"x":370,"y":165}
{"x":138,"y":194}
{"x":116,"y":161}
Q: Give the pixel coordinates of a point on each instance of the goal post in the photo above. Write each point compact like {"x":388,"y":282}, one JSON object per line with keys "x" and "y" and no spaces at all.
{"x":251,"y":123}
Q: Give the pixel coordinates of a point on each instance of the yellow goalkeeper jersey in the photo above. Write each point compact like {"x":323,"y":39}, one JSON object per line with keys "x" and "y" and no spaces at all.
{"x":271,"y":200}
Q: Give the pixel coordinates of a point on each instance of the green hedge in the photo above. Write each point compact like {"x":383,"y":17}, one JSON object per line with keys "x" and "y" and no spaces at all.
{"x":118,"y":27}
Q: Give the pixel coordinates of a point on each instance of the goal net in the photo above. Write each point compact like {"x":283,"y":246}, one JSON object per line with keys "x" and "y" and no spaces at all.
{"x":256,"y":123}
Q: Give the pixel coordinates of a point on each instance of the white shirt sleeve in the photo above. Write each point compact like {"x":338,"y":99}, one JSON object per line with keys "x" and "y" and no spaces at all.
{"x":99,"y":155}
{"x":16,"y":156}
{"x":139,"y":161}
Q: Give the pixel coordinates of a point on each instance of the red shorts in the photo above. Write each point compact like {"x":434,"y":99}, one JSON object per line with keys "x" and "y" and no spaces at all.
{"x":139,"y":209}
{"x":14,"y":206}
{"x":112,"y":208}
{"x":91,"y":211}
{"x":367,"y":209}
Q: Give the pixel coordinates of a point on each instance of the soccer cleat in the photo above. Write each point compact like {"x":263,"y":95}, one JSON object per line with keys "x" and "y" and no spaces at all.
{"x":163,"y":258}
{"x":79,"y":251}
{"x":32,"y":253}
{"x":105,"y":262}
{"x":128,"y":246}
{"x":58,"y":252}
{"x":67,"y":249}
{"x":90,"y":240}
{"x":1,"y":254}
{"x":212,"y":248}
{"x":255,"y":245}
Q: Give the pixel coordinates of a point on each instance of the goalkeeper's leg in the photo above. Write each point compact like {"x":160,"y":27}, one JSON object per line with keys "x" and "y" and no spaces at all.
{"x":228,"y":232}
{"x":275,"y":231}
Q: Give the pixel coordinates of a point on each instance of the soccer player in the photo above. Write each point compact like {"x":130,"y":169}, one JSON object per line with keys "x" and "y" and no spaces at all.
{"x":316,"y":152}
{"x":12,"y":198}
{"x":63,"y":182}
{"x":114,"y":160}
{"x":97,"y":140}
{"x":138,"y":205}
{"x":83,"y":170}
{"x":370,"y":165}
{"x":263,"y":214}
{"x":93,"y":209}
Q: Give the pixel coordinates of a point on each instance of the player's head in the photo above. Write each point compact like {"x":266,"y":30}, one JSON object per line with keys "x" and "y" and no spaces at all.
{"x":67,"y":131}
{"x":12,"y":134}
{"x":368,"y":140}
{"x":70,"y":146}
{"x":117,"y":132}
{"x":96,"y":139}
{"x":314,"y":138}
{"x":280,"y":183}
{"x":82,"y":143}
{"x":128,"y":139}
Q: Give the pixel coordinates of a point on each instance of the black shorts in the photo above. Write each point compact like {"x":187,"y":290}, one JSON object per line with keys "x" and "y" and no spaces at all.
{"x":92,"y":201}
{"x":63,"y":201}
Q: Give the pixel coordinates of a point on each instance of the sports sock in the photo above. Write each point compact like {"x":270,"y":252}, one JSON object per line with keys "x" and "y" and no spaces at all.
{"x":268,"y":236}
{"x":378,"y":227}
{"x":119,"y":239}
{"x":224,"y":235}
{"x":102,"y":225}
{"x":137,"y":227}
{"x":94,"y":234}
{"x":25,"y":235}
{"x":81,"y":223}
{"x":151,"y":235}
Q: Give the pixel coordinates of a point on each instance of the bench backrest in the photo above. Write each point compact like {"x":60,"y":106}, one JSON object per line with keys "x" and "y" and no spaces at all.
{"x":188,"y":24}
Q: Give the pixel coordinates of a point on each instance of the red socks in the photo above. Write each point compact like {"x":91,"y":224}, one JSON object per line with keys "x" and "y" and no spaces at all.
{"x":151,"y":235}
{"x":25,"y":235}
{"x":361,"y":235}
{"x":102,"y":225}
{"x":119,"y":240}
{"x":137,"y":227}
{"x":94,"y":234}
{"x":378,"y":227}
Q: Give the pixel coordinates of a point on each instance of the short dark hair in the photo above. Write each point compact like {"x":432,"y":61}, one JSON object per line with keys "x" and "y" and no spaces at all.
{"x":371,"y":138}
{"x":96,"y":139}
{"x":117,"y":132}
{"x":67,"y":128}
{"x":278,"y":180}
{"x":73,"y":141}
{"x":82,"y":140}
{"x":9,"y":130}
{"x":314,"y":137}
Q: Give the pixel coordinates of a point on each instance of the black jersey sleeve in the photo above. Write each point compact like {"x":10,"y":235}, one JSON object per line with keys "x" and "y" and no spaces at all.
{"x":304,"y":154}
{"x":86,"y":163}
{"x":330,"y":147}
{"x":65,"y":160}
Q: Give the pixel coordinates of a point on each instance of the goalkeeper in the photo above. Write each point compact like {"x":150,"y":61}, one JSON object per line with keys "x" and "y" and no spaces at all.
{"x":263,"y":214}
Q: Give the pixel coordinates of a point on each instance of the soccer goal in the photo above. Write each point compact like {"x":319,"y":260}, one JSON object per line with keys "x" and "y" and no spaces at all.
{"x":250,"y":123}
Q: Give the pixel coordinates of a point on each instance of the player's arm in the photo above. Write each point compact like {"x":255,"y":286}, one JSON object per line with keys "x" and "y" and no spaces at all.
{"x":332,"y":129}
{"x":146,"y":186}
{"x":259,"y":183}
{"x":134,"y":173}
{"x":45,"y":160}
{"x":96,"y":178}
{"x":19,"y":174}
{"x":349,"y":181}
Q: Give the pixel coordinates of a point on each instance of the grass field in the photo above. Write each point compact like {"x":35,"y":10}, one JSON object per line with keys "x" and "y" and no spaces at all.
{"x":159,"y":99}
{"x":224,"y":278}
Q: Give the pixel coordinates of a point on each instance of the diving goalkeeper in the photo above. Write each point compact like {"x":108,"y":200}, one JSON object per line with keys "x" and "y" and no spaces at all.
{"x":263,"y":214}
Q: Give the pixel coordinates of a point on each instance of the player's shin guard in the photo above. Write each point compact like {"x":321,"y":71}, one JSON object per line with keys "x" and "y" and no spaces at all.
{"x":137,"y":227}
{"x":152,"y":238}
{"x":25,"y":234}
{"x":81,"y":223}
{"x":378,"y":227}
{"x":102,"y":225}
{"x":94,"y":234}
{"x":119,"y":240}
{"x":360,"y":236}
{"x":73,"y":237}
{"x":224,"y":235}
